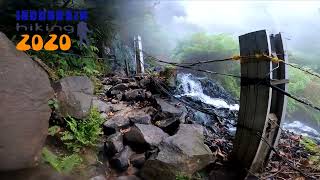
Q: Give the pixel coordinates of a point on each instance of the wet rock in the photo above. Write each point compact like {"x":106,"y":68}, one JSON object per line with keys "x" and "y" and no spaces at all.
{"x":148,"y":94}
{"x":133,"y":85}
{"x":119,"y":97}
{"x":120,"y":87}
{"x":184,"y":152}
{"x":100,"y":177}
{"x":106,"y":88}
{"x":114,"y":92}
{"x":135,"y":94}
{"x":127,"y":80}
{"x":137,"y":160}
{"x":168,"y":110}
{"x":114,"y":124}
{"x":144,"y":83}
{"x":140,"y":117}
{"x":121,"y":160}
{"x":115,"y":80}
{"x":114,"y":101}
{"x":131,"y":177}
{"x":114,"y":144}
{"x":132,"y":171}
{"x":118,"y":107}
{"x":142,"y":135}
{"x":103,"y":115}
{"x":75,"y":94}
{"x":102,"y":107}
{"x":24,"y":114}
{"x":169,"y":125}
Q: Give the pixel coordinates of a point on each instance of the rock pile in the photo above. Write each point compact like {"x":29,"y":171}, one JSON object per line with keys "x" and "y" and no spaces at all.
{"x":146,"y":135}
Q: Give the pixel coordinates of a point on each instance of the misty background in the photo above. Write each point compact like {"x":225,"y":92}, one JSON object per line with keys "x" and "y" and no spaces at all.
{"x":190,"y":30}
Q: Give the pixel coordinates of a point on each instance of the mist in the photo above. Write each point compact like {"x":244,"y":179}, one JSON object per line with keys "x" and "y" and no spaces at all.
{"x":298,"y":21}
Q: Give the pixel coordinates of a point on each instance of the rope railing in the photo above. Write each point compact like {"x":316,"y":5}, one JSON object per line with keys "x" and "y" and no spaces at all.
{"x":259,"y":81}
{"x":161,"y":86}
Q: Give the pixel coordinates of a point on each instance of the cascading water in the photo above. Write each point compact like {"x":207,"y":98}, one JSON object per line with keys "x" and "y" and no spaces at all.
{"x":192,"y":87}
{"x":210,"y":94}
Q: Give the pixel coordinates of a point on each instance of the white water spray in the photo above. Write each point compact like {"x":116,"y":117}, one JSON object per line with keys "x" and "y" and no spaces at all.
{"x":194,"y":89}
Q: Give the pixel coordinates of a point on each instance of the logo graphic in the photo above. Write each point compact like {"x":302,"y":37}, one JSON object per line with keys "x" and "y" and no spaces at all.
{"x":62,"y":22}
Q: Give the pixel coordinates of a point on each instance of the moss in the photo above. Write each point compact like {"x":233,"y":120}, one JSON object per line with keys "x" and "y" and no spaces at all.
{"x":310,"y":145}
{"x":182,"y":176}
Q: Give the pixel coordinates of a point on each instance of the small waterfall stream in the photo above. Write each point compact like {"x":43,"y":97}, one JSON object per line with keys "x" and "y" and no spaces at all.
{"x":215,"y":96}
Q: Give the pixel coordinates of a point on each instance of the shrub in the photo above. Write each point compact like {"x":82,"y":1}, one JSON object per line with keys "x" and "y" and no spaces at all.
{"x":61,"y":164}
{"x":83,"y":132}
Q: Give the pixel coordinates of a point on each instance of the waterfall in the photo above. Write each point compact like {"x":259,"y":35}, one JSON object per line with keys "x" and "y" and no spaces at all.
{"x":192,"y":87}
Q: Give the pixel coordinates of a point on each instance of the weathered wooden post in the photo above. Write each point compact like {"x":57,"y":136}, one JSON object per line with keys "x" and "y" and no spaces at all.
{"x":138,"y":55}
{"x":259,"y":106}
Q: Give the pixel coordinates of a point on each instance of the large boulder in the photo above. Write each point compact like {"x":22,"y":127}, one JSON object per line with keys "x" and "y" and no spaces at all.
{"x":101,"y":106}
{"x":24,"y":114}
{"x":75,"y":94}
{"x":135,"y":94}
{"x":121,"y":160}
{"x":168,"y":110}
{"x":142,"y":134}
{"x":114,"y":144}
{"x":185,"y":152}
{"x":115,"y":123}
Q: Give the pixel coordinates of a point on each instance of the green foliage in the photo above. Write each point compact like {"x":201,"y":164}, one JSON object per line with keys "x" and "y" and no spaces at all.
{"x":61,"y":164}
{"x":53,"y":130}
{"x":312,"y":147}
{"x":53,"y":103}
{"x":83,"y":132}
{"x":72,"y":63}
{"x":298,"y":83}
{"x":182,"y":176}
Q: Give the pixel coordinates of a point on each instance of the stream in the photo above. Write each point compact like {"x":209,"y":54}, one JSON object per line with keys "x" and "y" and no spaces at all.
{"x":211,"y":94}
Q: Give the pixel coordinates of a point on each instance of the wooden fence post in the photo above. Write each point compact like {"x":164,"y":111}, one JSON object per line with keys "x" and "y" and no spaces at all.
{"x":250,"y":151}
{"x":138,"y":55}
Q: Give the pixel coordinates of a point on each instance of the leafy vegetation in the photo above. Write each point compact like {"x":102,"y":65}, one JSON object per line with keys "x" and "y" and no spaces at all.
{"x":82,"y":133}
{"x":61,"y":164}
{"x":181,"y":176}
{"x":314,"y":149}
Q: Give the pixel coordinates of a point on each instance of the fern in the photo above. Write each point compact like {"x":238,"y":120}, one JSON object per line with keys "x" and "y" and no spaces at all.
{"x":64,"y":164}
{"x":83,"y":132}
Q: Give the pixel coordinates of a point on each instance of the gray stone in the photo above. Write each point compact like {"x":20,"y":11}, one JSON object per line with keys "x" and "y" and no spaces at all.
{"x":75,"y":94}
{"x":100,"y":177}
{"x":121,"y":160}
{"x":135,"y":94}
{"x":103,"y":115}
{"x":24,"y":114}
{"x":168,"y":109}
{"x":118,"y":107}
{"x":114,"y":124}
{"x":101,"y":106}
{"x":131,"y":177}
{"x":137,"y":160}
{"x":140,"y":117}
{"x":120,"y":87}
{"x":113,"y":101}
{"x":145,"y":134}
{"x":144,"y":83}
{"x":114,"y":144}
{"x":185,"y":152}
{"x":107,"y":87}
{"x":169,"y":125}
